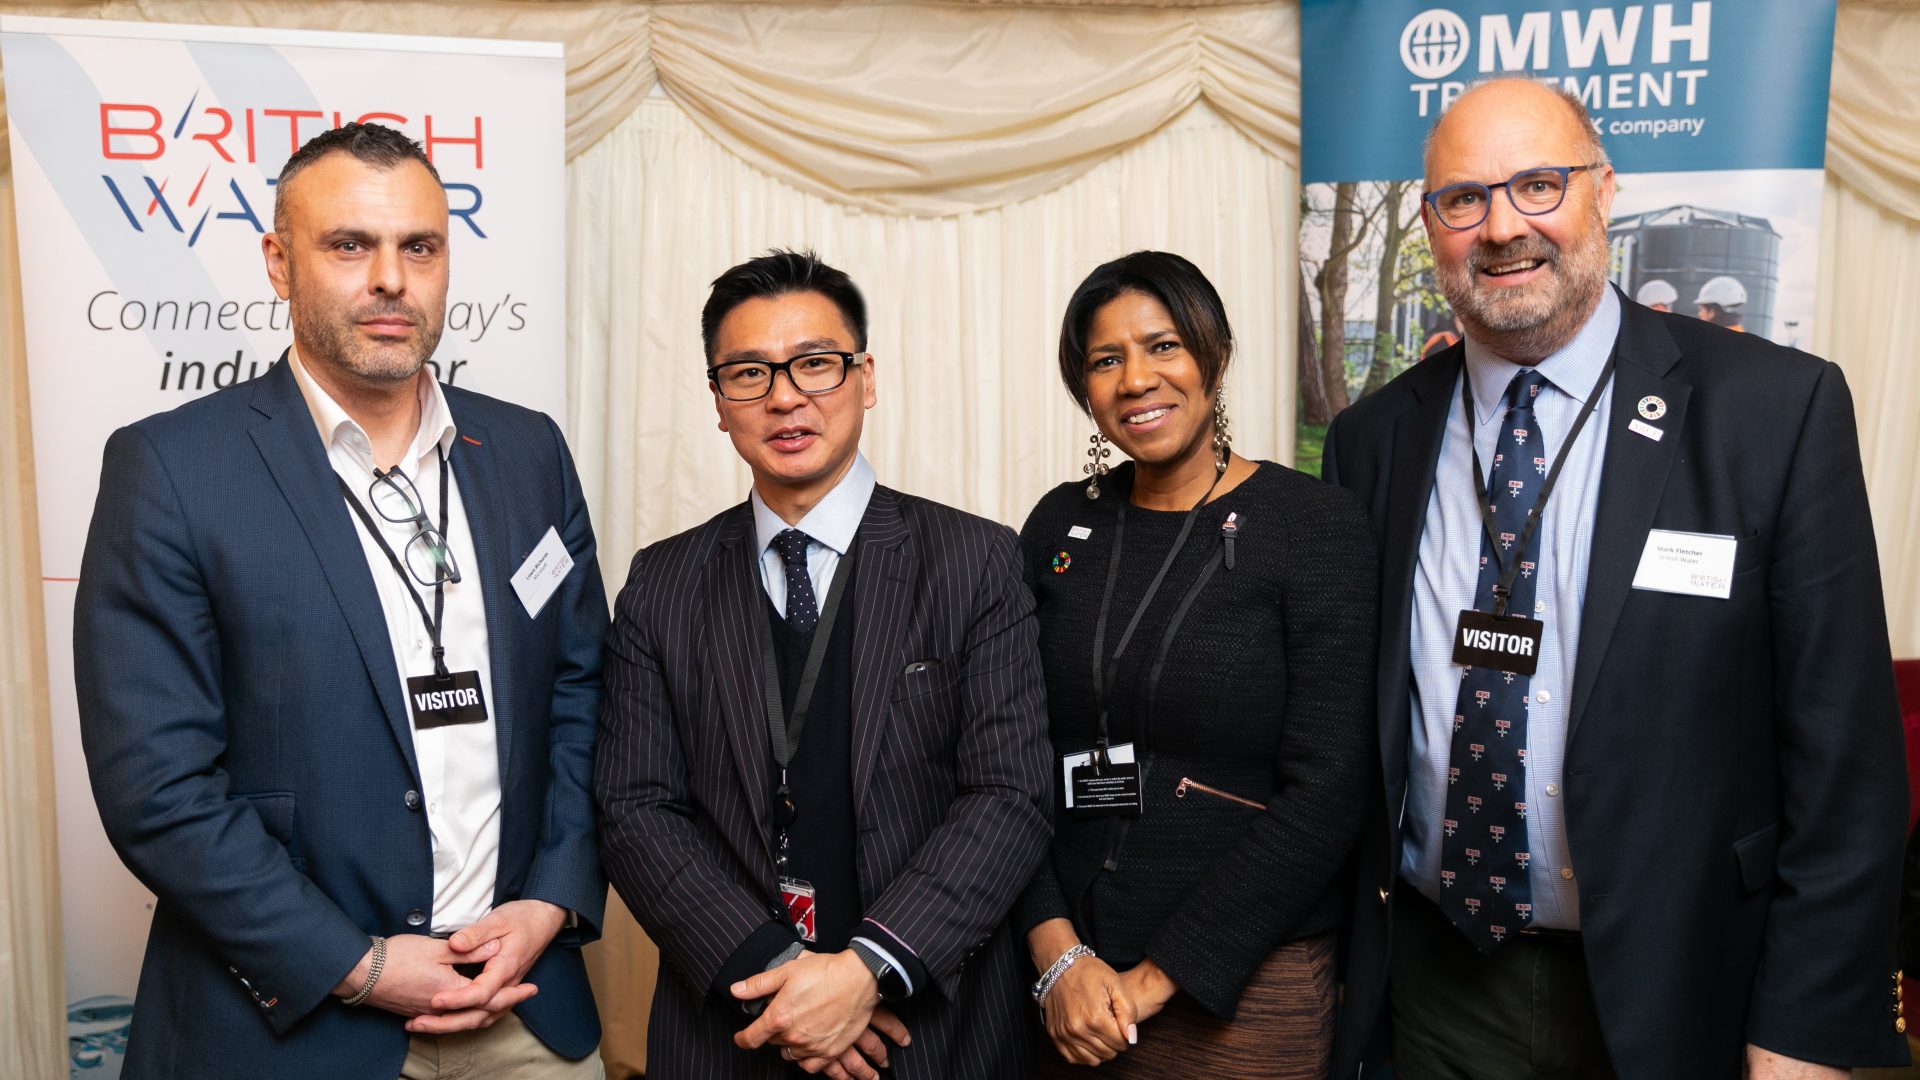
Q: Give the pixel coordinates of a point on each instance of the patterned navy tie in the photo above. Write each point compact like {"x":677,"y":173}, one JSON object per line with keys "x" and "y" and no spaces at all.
{"x":1483,"y":854}
{"x":802,"y":610}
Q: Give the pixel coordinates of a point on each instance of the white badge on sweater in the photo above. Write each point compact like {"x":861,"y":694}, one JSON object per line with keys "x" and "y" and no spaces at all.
{"x":1688,"y":563}
{"x":542,"y":573}
{"x":1118,"y":754}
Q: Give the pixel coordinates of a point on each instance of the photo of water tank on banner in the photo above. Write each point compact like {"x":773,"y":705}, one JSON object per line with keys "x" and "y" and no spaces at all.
{"x":1713,"y":114}
{"x":144,"y":160}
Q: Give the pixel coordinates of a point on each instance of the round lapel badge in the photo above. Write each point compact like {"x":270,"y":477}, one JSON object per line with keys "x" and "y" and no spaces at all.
{"x":1061,"y":562}
{"x":1652,"y":408}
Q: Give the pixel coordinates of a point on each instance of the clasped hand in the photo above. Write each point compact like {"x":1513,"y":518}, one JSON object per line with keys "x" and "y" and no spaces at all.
{"x":825,"y":1014}
{"x":418,"y":980}
{"x":1093,"y":1012}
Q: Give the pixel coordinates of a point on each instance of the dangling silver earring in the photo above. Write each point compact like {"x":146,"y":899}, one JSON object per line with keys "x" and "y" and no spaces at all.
{"x":1222,"y":433}
{"x":1098,"y":451}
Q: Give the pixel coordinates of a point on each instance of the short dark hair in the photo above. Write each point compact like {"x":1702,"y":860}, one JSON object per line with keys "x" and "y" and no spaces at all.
{"x":778,"y":273}
{"x":1198,"y":315}
{"x":373,"y":144}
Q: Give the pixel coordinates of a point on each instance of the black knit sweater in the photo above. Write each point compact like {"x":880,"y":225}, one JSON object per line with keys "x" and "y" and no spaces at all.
{"x":1266,"y":691}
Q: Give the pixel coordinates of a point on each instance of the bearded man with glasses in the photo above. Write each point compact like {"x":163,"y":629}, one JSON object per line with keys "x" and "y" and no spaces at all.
{"x":329,"y":720}
{"x":824,"y":761}
{"x":1642,"y":797}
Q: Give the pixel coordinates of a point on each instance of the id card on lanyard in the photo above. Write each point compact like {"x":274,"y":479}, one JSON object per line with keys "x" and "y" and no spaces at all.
{"x":797,"y":895}
{"x":443,"y":698}
{"x":1498,"y":639}
{"x":1108,"y":785}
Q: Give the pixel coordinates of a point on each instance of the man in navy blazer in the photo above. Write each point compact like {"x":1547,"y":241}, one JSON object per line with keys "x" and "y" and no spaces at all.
{"x":1701,"y":873}
{"x":349,"y":758}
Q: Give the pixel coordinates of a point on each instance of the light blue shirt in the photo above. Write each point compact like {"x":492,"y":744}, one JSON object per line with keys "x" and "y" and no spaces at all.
{"x":830,"y":527}
{"x":1448,"y":574}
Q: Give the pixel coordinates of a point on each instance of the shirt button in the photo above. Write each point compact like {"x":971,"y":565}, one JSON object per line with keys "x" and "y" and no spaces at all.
{"x":1553,"y":791}
{"x":1539,"y":607}
{"x":413,"y":800}
{"x":1543,"y":697}
{"x":416,"y":917}
{"x":1566,"y":873}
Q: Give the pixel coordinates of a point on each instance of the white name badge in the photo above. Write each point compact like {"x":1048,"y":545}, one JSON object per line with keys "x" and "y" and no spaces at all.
{"x":1118,"y":754}
{"x":542,"y":573}
{"x":1691,"y":564}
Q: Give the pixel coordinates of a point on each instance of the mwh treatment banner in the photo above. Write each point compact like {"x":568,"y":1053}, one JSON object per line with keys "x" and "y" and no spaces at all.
{"x":1714,"y":114}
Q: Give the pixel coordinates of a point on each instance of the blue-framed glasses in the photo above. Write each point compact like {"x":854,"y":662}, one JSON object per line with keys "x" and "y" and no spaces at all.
{"x":1535,"y":191}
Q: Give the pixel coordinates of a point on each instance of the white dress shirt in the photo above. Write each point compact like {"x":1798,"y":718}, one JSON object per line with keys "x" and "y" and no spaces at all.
{"x":459,"y":763}
{"x":831,"y":527}
{"x":1448,"y":575}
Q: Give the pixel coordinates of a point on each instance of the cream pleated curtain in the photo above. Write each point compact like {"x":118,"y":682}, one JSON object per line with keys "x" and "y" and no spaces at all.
{"x":968,"y":163}
{"x":964,"y":310}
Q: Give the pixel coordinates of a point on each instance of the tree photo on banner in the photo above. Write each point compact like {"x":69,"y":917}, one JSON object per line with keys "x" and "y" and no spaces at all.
{"x":144,"y":157}
{"x":1714,"y":117}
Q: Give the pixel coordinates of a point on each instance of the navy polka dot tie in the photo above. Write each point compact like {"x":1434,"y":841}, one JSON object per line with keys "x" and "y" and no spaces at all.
{"x":1483,"y":847}
{"x":803,"y":611}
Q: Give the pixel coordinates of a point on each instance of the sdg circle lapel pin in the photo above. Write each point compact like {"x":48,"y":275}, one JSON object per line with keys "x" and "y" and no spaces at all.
{"x":1652,"y":408}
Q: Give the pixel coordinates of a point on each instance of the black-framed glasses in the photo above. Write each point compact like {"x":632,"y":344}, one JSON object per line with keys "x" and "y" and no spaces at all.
{"x":427,"y":555}
{"x":810,"y":373}
{"x":1535,"y":191}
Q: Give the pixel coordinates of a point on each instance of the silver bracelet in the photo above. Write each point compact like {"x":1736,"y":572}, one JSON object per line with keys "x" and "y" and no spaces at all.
{"x":373,"y":970}
{"x":1067,"y":959}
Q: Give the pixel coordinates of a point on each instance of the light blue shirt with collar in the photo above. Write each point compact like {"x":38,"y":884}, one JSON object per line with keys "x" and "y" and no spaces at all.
{"x":831,"y":527}
{"x":1448,"y":574}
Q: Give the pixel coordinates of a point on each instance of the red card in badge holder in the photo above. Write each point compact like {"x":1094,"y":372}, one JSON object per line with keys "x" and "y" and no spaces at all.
{"x":798,"y":896}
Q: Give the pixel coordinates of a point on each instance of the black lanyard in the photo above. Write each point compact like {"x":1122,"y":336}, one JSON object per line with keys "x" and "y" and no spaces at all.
{"x":783,"y":731}
{"x":435,"y":623}
{"x":1104,"y":667}
{"x":1508,"y":571}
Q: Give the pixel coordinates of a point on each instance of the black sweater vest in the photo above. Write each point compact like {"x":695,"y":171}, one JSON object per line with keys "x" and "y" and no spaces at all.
{"x":821,"y":841}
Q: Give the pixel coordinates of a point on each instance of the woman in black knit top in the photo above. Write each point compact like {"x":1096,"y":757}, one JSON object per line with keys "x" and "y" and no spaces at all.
{"x":1245,"y":691}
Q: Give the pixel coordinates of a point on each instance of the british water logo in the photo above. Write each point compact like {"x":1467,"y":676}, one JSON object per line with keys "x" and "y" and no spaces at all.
{"x":201,"y":155}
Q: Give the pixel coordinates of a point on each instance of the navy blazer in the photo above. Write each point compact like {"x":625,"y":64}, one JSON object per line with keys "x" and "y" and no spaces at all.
{"x":1735,"y":785}
{"x":250,"y":749}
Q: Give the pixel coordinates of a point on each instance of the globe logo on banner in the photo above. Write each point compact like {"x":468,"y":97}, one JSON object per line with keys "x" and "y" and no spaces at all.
{"x":1434,"y":43}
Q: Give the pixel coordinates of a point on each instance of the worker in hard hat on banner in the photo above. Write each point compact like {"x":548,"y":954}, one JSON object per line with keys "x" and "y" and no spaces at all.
{"x":1657,"y":294}
{"x":1719,"y":302}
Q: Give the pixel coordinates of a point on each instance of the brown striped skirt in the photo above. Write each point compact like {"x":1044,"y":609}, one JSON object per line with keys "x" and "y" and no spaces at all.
{"x":1282,"y":1031}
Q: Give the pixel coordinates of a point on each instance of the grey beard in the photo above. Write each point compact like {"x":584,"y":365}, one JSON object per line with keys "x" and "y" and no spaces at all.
{"x":1528,"y":329}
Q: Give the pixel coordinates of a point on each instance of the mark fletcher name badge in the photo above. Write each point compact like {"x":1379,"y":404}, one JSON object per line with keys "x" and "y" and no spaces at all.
{"x":542,"y":573}
{"x":1687,"y":563}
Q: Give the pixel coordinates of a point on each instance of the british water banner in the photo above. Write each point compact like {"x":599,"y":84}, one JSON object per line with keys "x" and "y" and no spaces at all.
{"x":1713,"y":112}
{"x":144,"y":157}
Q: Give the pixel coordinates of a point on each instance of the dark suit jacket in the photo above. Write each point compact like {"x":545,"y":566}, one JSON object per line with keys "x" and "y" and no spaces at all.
{"x":950,"y":777}
{"x":250,"y":749}
{"x":1734,"y":784}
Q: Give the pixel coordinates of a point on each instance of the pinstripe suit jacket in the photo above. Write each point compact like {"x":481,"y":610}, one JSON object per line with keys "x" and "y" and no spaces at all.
{"x":950,"y":777}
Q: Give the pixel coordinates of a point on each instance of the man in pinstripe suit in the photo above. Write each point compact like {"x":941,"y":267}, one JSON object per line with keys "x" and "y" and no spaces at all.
{"x":823,"y":769}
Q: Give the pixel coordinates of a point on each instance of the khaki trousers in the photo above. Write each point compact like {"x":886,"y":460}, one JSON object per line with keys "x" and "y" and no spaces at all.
{"x":505,"y":1051}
